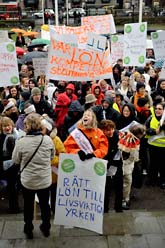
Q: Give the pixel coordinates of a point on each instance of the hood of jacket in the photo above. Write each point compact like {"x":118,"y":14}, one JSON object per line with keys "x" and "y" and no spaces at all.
{"x":75,"y":106}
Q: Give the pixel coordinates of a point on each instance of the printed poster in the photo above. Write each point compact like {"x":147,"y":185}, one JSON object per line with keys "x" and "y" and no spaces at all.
{"x":117,"y":47}
{"x":158,"y":39}
{"x":9,"y":75}
{"x":80,"y":192}
{"x":135,"y":36}
{"x":40,"y":65}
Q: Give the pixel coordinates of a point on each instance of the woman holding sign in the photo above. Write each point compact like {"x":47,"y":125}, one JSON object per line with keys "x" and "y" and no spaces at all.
{"x":87,"y":140}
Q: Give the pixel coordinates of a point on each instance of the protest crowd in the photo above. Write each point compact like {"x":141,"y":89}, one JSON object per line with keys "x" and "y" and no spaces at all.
{"x":120,"y":119}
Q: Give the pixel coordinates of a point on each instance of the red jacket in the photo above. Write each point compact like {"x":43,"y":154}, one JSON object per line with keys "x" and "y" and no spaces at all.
{"x":101,"y":95}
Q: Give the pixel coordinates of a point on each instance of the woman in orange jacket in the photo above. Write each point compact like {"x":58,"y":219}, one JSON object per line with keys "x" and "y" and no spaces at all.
{"x":87,"y":140}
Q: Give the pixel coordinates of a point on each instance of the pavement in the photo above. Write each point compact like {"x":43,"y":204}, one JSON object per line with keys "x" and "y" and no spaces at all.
{"x":130,"y":229}
{"x":143,"y":226}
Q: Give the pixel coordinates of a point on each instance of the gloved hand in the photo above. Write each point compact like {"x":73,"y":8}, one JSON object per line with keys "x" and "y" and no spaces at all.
{"x":125,"y":155}
{"x":90,"y":155}
{"x":82,"y":155}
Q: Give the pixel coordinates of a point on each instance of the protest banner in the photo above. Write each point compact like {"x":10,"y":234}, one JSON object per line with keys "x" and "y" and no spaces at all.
{"x":117,"y":47}
{"x":40,"y":65}
{"x":8,"y":64}
{"x":103,"y":24}
{"x":135,"y":36}
{"x":80,"y":192}
{"x":96,"y":42}
{"x":69,"y":63}
{"x":158,"y":40}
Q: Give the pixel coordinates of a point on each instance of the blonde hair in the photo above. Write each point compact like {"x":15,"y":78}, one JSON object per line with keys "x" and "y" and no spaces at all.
{"x":33,"y":122}
{"x":125,"y":78}
{"x":94,"y":120}
{"x":5,"y":121}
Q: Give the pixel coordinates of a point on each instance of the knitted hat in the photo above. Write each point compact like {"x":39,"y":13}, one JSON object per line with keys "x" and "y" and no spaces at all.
{"x":30,"y":109}
{"x":35,"y":91}
{"x":47,"y":124}
{"x":90,"y":98}
{"x":109,"y":100}
{"x":25,"y":95}
{"x":142,"y":101}
{"x":140,"y":85}
{"x":8,"y":105}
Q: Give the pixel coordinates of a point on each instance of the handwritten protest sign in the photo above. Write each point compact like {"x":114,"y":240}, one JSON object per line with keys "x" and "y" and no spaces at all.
{"x":96,"y":42}
{"x":103,"y":24}
{"x":117,"y":47}
{"x":81,"y":32}
{"x":40,"y":65}
{"x":66,"y":62}
{"x":8,"y":64}
{"x":80,"y":192}
{"x":158,"y":39}
{"x":162,"y":73}
{"x":69,"y":38}
{"x":135,"y":36}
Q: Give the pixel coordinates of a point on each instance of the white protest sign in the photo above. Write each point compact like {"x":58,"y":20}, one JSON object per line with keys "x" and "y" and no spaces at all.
{"x":8,"y":64}
{"x":103,"y":24}
{"x":45,"y":34}
{"x":135,"y":36}
{"x":40,"y":65}
{"x":162,"y":73}
{"x":66,"y":62}
{"x":4,"y":35}
{"x":117,"y":47}
{"x":158,"y":40}
{"x":80,"y":192}
{"x":71,"y":39}
{"x":96,"y":42}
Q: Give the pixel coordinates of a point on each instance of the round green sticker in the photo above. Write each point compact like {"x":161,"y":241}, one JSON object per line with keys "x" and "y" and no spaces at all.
{"x":126,"y":60}
{"x":155,"y":35}
{"x":14,"y":80}
{"x":10,"y":47}
{"x":68,"y":165}
{"x":99,"y":168}
{"x":142,"y":27}
{"x":141,"y":59}
{"x":128,"y":29}
{"x":114,"y":38}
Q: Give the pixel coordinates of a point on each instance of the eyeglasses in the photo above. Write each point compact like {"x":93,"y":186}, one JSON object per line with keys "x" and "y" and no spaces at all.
{"x":158,"y":109}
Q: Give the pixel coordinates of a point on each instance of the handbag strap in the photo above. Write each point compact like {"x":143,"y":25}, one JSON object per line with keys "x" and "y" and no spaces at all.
{"x":32,"y":155}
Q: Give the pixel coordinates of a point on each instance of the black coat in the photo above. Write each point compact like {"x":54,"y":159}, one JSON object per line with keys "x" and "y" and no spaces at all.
{"x":43,"y":107}
{"x":110,"y":113}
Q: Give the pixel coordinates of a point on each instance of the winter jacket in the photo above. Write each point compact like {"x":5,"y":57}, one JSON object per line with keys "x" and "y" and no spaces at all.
{"x":71,"y":118}
{"x":20,"y":122}
{"x":51,"y":100}
{"x":7,"y":143}
{"x":43,"y":107}
{"x":110,"y":113}
{"x":37,"y":174}
{"x":101,"y":95}
{"x":125,"y":121}
{"x":96,"y":137}
{"x":59,"y":146}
